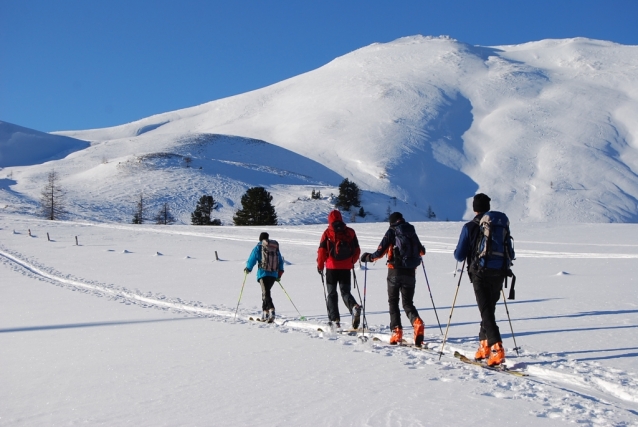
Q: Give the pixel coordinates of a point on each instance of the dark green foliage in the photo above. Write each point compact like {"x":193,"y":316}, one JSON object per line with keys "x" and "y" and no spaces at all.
{"x":362,"y":213}
{"x":315,"y":195}
{"x":203,"y":210}
{"x":257,"y":208}
{"x":348,"y":195}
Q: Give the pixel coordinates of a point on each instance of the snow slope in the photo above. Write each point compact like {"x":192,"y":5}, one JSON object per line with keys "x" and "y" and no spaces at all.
{"x":135,"y":326}
{"x":20,"y":146}
{"x":546,"y":128}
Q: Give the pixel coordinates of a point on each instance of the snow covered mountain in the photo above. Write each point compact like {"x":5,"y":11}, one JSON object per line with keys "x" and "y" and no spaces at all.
{"x":544,"y":128}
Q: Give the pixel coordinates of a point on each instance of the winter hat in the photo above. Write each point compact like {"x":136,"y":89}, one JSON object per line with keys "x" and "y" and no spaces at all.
{"x":263,"y":236}
{"x":395,"y":216}
{"x":481,"y":203}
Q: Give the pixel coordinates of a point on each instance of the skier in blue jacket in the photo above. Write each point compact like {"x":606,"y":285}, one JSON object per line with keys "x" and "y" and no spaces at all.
{"x":270,"y":269}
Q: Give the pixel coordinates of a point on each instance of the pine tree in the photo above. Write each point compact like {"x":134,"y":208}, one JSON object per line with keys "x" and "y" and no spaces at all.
{"x":257,"y":208}
{"x":52,"y":197}
{"x":202,"y":213}
{"x":164,"y":215}
{"x":348,"y":195}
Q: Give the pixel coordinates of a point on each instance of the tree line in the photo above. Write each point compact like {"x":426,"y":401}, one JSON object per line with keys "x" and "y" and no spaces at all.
{"x":257,"y":207}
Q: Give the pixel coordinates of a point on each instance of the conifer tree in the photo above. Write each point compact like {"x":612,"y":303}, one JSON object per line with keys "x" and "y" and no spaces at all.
{"x":141,"y":209}
{"x":52,"y":197}
{"x":203,"y":211}
{"x":257,"y":208}
{"x":348,"y":195}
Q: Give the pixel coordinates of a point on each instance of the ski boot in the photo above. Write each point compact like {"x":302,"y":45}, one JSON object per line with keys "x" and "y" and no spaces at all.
{"x":483,"y":351}
{"x":498,"y":355}
{"x":356,"y":312}
{"x":264,"y":316}
{"x":271,"y":315}
{"x":397,"y":336}
{"x":419,"y":329}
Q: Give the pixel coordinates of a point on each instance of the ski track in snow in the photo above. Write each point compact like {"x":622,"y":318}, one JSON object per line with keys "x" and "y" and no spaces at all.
{"x":578,"y":392}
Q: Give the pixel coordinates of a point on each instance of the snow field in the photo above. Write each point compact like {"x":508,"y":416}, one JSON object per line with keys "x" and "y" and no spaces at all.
{"x":109,"y":332}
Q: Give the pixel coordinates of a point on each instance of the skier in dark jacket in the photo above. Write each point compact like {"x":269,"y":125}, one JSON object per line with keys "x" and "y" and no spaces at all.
{"x":338,"y":252}
{"x":266,"y":275}
{"x":401,"y":281}
{"x":487,"y":282}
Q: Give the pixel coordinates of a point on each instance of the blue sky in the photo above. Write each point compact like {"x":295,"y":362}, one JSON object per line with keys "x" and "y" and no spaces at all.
{"x":80,"y":64}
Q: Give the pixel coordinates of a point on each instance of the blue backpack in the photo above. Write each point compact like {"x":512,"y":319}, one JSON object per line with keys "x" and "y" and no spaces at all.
{"x":494,"y":247}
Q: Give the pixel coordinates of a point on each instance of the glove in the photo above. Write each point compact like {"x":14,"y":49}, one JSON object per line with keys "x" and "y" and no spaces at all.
{"x":281,"y":273}
{"x":366,"y":257}
{"x":246,"y":270}
{"x":320,"y":270}
{"x":423,"y":249}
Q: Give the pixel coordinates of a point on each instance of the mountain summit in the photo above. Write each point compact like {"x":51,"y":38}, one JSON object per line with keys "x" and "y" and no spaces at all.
{"x":546,"y":128}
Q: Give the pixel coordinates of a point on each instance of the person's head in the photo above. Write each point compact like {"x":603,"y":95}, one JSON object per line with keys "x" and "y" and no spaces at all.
{"x":334,"y":216}
{"x":395,"y":217}
{"x":481,"y":203}
{"x":263,"y":236}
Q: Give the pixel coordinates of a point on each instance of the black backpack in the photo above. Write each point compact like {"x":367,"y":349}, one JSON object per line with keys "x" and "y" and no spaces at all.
{"x":343,"y":247}
{"x":407,"y":247}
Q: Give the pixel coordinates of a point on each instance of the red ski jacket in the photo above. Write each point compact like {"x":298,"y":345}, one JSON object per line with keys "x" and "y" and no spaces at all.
{"x":329,"y":246}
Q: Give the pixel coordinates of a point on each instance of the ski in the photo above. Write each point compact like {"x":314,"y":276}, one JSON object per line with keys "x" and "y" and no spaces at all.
{"x":497,"y":368}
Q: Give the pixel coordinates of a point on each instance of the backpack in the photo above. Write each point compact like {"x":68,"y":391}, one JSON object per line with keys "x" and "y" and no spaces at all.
{"x":407,"y":247}
{"x":269,"y":255}
{"x":493,"y":241}
{"x":342,"y":248}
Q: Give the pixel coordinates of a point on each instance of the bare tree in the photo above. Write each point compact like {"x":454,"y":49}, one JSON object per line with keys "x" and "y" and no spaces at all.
{"x":52,"y":198}
{"x":141,"y":209}
{"x":164,"y":215}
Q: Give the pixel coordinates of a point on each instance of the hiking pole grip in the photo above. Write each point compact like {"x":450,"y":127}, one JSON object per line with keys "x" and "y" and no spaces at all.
{"x":452,"y":310}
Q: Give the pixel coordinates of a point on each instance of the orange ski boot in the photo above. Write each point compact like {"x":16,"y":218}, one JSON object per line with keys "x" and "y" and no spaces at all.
{"x":498,"y":355}
{"x":397,"y":336}
{"x":418,"y":331}
{"x":483,"y":351}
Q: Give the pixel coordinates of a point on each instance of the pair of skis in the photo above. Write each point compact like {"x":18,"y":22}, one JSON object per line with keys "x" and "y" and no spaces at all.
{"x":425,"y":347}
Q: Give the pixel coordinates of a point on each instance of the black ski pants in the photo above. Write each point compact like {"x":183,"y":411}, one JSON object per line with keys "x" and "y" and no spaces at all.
{"x":487,"y":289}
{"x":339,"y":278}
{"x":266,"y":283}
{"x":401,"y":286}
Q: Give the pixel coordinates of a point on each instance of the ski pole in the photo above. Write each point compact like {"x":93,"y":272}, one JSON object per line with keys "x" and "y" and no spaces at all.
{"x":240,"y":294}
{"x":325,"y":296}
{"x":430,"y":291}
{"x":363,"y":309}
{"x":365,"y":282}
{"x":452,"y":310}
{"x":293,"y":304}
{"x":508,"y":318}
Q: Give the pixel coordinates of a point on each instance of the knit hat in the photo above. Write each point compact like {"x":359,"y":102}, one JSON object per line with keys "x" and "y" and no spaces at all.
{"x":395,"y":216}
{"x":481,"y":203}
{"x":263,"y":236}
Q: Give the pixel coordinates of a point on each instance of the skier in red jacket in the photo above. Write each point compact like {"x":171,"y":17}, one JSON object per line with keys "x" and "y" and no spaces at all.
{"x":338,"y":252}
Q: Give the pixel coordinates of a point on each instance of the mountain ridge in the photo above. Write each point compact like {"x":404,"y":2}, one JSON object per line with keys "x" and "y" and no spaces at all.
{"x":431,"y":121}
